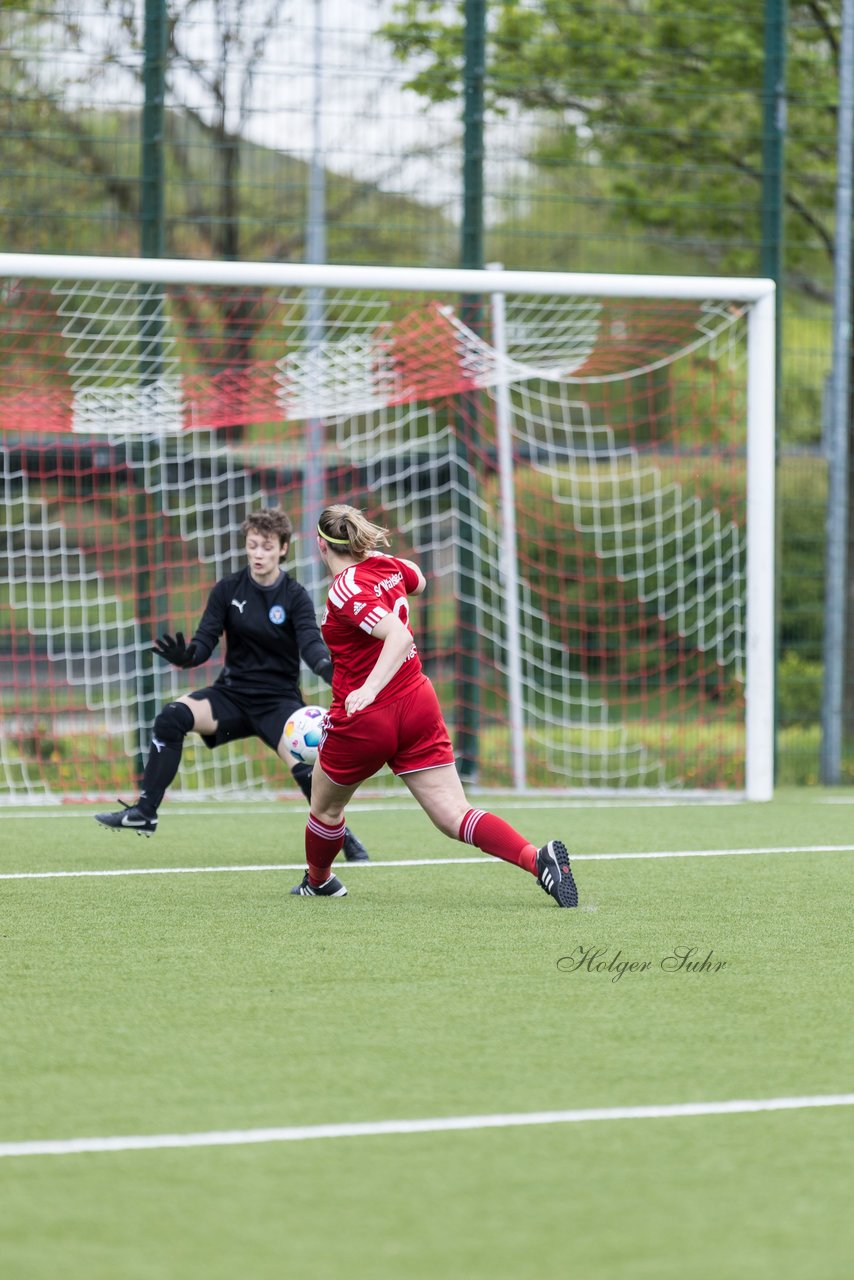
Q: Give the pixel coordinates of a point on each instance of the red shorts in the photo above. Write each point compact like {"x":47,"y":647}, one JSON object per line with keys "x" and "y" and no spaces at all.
{"x":407,"y":734}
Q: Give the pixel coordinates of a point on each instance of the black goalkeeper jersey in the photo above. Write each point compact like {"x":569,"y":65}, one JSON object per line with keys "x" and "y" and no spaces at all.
{"x":267,"y":631}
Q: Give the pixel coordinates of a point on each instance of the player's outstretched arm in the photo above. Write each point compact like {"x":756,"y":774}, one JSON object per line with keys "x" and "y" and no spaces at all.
{"x":397,"y":643}
{"x":311,"y":645}
{"x":324,"y":670}
{"x":422,"y":581}
{"x":176,"y":650}
{"x":206,"y":636}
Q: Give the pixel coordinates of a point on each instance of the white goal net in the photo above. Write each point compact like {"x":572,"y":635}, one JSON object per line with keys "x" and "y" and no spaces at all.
{"x":583,"y":466}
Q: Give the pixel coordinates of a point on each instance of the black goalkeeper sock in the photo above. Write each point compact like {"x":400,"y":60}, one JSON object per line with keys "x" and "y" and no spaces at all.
{"x":301,"y":774}
{"x":167,"y":743}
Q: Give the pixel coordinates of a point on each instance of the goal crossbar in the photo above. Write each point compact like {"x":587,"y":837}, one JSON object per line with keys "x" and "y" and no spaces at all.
{"x":415,"y":279}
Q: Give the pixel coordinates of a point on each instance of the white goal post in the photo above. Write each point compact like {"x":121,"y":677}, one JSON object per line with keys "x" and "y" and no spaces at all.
{"x":586,"y":462}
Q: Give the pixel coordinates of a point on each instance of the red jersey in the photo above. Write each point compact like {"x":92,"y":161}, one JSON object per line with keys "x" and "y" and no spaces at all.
{"x":359,"y":598}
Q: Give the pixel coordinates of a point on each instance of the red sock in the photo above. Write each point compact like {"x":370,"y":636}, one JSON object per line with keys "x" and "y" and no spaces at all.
{"x":322,"y":846}
{"x":494,"y":835}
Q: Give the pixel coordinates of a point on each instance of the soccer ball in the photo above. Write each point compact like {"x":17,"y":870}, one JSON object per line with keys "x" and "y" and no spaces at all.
{"x":303,"y":733}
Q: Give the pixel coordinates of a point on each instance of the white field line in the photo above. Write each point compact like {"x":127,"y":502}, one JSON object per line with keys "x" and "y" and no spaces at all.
{"x":386,"y":1128}
{"x":420,"y":862}
{"x":293,"y":808}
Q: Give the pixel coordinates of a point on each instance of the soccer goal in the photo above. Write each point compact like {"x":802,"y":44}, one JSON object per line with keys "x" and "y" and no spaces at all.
{"x":583,"y":465}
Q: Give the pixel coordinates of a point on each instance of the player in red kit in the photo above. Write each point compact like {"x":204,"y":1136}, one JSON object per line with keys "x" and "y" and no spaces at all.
{"x":385,"y":711}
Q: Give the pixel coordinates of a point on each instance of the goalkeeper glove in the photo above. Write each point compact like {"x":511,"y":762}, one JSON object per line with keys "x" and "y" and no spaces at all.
{"x":324,"y":670}
{"x":176,"y":651}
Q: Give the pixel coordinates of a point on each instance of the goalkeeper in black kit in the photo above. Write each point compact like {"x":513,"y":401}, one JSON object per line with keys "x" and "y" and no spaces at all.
{"x":269,"y":624}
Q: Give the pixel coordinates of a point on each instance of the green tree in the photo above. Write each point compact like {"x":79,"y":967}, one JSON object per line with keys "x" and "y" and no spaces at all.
{"x":663,"y":103}
{"x":649,"y":118}
{"x":70,"y":95}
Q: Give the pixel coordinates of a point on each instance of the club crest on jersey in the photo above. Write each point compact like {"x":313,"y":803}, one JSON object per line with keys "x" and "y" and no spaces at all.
{"x":276,"y":615}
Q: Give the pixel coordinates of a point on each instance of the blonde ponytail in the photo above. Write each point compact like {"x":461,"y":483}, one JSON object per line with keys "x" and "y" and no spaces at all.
{"x":349,"y":532}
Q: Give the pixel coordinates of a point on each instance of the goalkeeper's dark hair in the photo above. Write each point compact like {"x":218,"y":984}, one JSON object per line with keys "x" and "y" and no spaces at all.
{"x":270,"y":522}
{"x":349,"y":532}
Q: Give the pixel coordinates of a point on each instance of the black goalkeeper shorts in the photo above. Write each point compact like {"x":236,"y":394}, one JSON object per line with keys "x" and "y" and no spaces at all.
{"x":247,"y":715}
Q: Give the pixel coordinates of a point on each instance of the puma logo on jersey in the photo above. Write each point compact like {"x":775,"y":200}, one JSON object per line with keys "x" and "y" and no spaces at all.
{"x":239,"y":604}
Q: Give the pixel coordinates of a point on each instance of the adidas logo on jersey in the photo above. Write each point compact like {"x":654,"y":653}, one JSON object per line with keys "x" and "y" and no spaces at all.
{"x":358,"y":607}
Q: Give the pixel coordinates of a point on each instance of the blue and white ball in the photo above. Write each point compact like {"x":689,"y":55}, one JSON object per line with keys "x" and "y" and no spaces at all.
{"x":303,"y":733}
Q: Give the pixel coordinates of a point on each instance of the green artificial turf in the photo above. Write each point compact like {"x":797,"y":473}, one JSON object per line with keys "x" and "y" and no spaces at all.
{"x":186,"y":1003}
